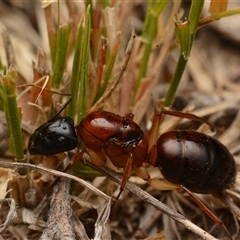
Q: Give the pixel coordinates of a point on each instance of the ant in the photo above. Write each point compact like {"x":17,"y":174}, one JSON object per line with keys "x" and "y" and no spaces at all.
{"x":188,"y":160}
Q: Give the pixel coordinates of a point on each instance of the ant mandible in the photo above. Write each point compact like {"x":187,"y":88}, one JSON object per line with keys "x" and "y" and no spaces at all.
{"x":189,"y":160}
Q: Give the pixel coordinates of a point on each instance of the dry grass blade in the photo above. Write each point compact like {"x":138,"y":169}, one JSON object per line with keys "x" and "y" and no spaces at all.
{"x":234,"y":209}
{"x":102,"y":223}
{"x":118,"y":76}
{"x":56,"y":173}
{"x":11,"y":214}
{"x":154,"y":202}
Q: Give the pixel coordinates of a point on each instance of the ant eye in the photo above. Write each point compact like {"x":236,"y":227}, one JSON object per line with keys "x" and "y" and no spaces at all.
{"x":61,"y":141}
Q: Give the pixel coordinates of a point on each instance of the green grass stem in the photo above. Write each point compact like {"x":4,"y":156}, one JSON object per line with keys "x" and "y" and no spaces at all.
{"x":75,"y":81}
{"x":148,"y":35}
{"x":83,"y":73}
{"x":12,"y":113}
{"x":193,"y":19}
{"x":61,"y":50}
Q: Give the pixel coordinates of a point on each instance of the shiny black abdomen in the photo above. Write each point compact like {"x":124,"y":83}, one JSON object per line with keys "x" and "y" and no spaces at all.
{"x":199,"y":162}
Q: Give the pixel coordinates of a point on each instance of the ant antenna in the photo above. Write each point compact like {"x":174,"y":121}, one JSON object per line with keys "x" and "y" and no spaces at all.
{"x":61,"y":109}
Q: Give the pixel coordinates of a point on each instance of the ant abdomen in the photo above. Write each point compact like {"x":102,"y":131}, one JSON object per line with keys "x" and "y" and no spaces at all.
{"x":197,"y":161}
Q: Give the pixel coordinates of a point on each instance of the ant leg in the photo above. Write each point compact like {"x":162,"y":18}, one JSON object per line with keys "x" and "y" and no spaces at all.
{"x":207,"y":211}
{"x":187,"y":116}
{"x":75,"y":159}
{"x":126,"y":174}
{"x":158,"y":115}
{"x":154,"y":132}
{"x":162,"y":184}
{"x":154,"y":182}
{"x":97,"y":157}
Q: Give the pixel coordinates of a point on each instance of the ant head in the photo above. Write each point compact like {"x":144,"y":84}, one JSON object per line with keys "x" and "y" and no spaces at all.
{"x":55,"y":136}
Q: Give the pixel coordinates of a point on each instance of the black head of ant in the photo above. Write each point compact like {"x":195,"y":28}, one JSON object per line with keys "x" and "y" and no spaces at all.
{"x":54,"y":136}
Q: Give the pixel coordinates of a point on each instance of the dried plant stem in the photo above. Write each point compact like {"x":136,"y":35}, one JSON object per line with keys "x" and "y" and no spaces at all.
{"x":59,"y":223}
